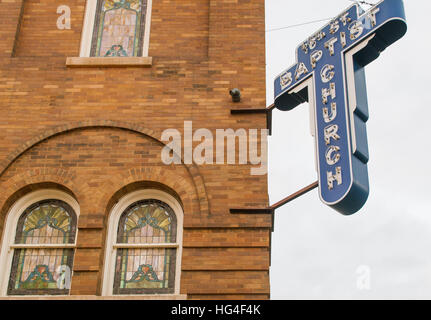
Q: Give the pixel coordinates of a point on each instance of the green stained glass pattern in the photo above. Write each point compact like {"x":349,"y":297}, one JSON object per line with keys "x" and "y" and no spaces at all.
{"x":113,"y":4}
{"x":46,"y":223}
{"x":147,"y":270}
{"x":35,"y":270}
{"x":119,"y":28}
{"x":148,"y":222}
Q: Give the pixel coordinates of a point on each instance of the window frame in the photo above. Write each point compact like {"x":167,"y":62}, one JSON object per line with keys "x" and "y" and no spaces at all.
{"x":8,"y":245}
{"x":88,"y":29}
{"x":112,"y":245}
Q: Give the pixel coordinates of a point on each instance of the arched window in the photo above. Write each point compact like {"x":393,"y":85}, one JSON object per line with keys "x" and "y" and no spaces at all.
{"x":145,"y":245}
{"x":38,"y":255}
{"x":116,"y":28}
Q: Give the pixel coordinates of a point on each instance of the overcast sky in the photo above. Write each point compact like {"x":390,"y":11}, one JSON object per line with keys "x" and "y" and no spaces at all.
{"x":316,"y":252}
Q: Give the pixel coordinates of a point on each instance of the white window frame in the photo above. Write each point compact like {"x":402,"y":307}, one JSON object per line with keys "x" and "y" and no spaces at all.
{"x":111,"y":241}
{"x":87,"y":30}
{"x":9,"y":231}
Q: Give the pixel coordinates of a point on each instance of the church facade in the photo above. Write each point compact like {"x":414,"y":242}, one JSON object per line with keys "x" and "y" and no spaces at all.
{"x":95,"y":202}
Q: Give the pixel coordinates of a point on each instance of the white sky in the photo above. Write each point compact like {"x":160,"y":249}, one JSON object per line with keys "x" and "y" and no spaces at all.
{"x":316,"y":251}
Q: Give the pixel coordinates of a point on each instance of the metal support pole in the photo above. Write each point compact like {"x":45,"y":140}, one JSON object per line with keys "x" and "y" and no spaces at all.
{"x":270,"y":210}
{"x":295,"y":195}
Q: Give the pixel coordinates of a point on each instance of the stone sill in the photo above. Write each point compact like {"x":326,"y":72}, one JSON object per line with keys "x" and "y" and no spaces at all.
{"x":119,"y":297}
{"x":109,"y":62}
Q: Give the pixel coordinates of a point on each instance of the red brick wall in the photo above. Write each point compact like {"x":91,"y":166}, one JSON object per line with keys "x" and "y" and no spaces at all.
{"x":95,"y":131}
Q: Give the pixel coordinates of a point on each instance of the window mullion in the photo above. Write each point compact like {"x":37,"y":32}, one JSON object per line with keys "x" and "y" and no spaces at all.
{"x":145,"y":245}
{"x":43,"y":246}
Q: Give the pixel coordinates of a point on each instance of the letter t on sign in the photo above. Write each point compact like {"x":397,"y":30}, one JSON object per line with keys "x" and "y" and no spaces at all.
{"x":329,"y":74}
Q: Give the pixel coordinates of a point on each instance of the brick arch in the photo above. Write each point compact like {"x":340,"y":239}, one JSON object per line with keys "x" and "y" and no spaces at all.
{"x":32,"y":180}
{"x":155,"y":177}
{"x":135,"y":179}
{"x":151,"y":182}
{"x":193,"y":170}
{"x":35,"y":179}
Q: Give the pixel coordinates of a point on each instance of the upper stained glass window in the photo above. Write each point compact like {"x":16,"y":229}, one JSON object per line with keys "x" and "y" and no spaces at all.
{"x":119,"y":28}
{"x":146,"y":257}
{"x":43,"y":231}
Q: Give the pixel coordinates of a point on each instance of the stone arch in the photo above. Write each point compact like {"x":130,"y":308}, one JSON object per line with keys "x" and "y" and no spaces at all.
{"x":192,"y":169}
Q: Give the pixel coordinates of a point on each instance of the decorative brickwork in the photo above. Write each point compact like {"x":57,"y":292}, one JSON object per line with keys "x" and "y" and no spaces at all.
{"x":95,"y":132}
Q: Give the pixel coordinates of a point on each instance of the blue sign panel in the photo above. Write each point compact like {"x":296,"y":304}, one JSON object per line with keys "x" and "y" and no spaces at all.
{"x":329,"y":74}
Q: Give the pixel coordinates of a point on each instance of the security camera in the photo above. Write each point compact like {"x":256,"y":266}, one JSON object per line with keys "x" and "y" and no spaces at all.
{"x":236,"y":95}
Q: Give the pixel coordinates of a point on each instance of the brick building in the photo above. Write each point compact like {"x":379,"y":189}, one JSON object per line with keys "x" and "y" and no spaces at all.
{"x":83,"y":185}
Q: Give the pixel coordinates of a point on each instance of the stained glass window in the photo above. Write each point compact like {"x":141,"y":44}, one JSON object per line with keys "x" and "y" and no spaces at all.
{"x":119,"y":28}
{"x":146,"y":254}
{"x":40,"y":253}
